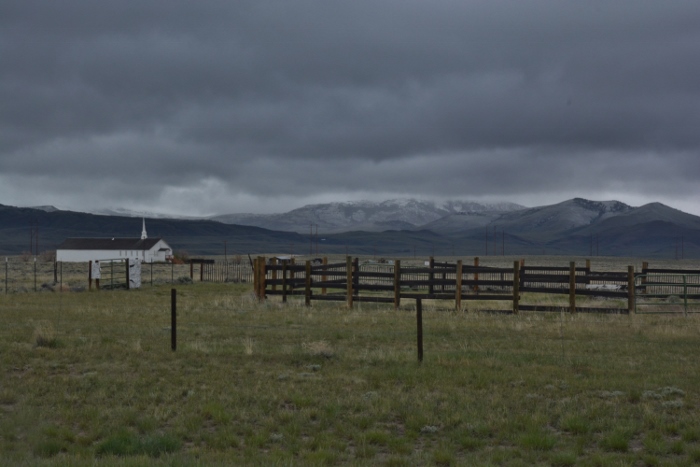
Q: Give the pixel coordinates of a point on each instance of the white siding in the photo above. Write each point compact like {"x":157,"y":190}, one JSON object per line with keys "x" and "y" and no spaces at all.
{"x":152,"y":255}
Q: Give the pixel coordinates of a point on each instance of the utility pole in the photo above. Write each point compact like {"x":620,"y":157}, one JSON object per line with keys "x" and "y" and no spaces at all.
{"x":675,"y":244}
{"x":495,"y":241}
{"x":34,"y":237}
{"x":487,"y":241}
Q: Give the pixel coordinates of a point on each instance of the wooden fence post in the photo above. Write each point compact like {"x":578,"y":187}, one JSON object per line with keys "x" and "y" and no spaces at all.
{"x":431,"y":276}
{"x":348,"y":275}
{"x":284,"y":281}
{"x":307,"y":293}
{"x":630,"y":289}
{"x":458,"y":286}
{"x":645,"y":266}
{"x":476,"y":274}
{"x":397,"y":284}
{"x":89,"y":274}
{"x":324,"y":278}
{"x":128,"y":279}
{"x":419,"y":326}
{"x":516,"y":287}
{"x":572,"y":287}
{"x":588,"y":271}
{"x":256,"y":287}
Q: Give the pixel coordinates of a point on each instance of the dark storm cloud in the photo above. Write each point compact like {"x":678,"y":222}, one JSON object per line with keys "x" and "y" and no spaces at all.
{"x":164,"y":100}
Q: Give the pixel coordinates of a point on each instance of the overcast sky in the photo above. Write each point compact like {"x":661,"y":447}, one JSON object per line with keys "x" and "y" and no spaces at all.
{"x":212,"y":107}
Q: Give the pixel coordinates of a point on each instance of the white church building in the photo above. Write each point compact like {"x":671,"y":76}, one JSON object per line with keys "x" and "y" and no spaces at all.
{"x":146,"y":250}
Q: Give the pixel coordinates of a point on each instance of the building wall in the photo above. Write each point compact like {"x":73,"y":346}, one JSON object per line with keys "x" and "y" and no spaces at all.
{"x":154,"y":255}
{"x":146,"y":256}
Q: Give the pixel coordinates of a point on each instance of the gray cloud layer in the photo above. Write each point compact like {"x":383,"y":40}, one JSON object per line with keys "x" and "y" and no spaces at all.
{"x":220,"y":106}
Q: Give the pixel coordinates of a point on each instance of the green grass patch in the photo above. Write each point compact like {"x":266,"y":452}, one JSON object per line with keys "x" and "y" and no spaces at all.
{"x":130,"y":444}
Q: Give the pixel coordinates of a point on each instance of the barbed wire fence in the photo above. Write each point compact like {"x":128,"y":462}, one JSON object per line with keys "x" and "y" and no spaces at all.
{"x":215,"y":319}
{"x":22,"y":274}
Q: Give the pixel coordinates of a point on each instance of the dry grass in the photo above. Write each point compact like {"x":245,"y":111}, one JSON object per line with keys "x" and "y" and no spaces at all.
{"x":44,"y":335}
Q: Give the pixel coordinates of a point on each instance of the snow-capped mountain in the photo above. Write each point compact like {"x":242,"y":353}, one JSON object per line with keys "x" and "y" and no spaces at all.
{"x":121,"y":212}
{"x":395,"y":214}
{"x":560,"y":217}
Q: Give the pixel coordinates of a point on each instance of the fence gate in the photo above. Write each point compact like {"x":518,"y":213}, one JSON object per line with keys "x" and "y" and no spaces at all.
{"x":119,"y":273}
{"x":661,"y":292}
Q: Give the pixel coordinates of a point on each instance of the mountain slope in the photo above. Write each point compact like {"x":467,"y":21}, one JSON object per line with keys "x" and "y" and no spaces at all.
{"x":546,"y":222}
{"x":197,"y":236}
{"x":397,"y":214}
{"x":656,"y":228}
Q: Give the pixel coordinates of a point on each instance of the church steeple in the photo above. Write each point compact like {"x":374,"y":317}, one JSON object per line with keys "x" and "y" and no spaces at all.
{"x":144,"y":235}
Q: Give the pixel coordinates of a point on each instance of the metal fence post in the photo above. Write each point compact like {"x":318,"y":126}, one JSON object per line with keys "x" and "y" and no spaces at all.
{"x":173,"y":319}
{"x":419,"y":326}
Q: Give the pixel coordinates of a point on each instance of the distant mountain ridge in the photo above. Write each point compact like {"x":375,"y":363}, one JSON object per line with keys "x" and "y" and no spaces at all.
{"x":368,"y":216}
{"x":131,"y":213}
{"x":557,"y":218}
{"x":395,"y":227}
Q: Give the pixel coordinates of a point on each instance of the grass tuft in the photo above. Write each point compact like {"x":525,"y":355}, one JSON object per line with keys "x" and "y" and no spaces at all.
{"x":128,"y":444}
{"x":49,"y":448}
{"x":45,"y":335}
{"x":318,"y":349}
{"x":248,"y":345}
{"x":617,"y":441}
{"x":538,"y":441}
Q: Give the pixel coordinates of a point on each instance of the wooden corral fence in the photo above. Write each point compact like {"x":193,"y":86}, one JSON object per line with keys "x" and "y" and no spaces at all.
{"x":351,"y":282}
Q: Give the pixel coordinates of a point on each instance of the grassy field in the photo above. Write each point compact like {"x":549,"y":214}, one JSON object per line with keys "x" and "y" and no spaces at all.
{"x":90,"y":379}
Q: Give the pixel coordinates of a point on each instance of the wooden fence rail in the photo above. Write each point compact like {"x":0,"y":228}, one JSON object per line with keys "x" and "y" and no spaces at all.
{"x":351,"y":282}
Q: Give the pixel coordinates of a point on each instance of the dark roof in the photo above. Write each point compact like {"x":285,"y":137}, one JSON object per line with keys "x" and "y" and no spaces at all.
{"x":108,"y":244}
